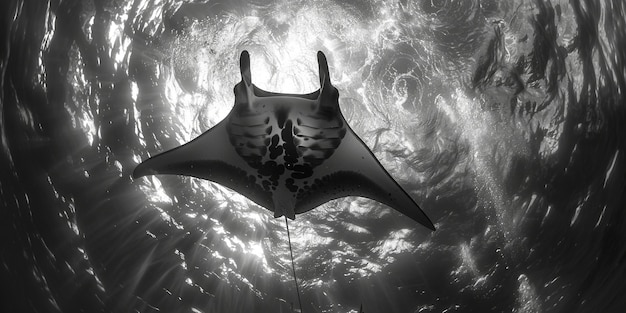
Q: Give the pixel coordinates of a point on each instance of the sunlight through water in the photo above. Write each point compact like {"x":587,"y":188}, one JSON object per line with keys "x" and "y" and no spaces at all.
{"x":503,"y":120}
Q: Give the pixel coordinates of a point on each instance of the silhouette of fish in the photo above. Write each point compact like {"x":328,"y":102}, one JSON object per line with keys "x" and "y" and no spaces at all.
{"x":286,"y":152}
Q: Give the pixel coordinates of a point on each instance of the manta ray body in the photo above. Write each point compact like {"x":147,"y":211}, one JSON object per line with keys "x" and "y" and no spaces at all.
{"x":286,"y":152}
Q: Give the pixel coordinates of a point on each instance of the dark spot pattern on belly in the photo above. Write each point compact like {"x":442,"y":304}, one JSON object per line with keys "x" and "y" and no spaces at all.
{"x":281,"y":151}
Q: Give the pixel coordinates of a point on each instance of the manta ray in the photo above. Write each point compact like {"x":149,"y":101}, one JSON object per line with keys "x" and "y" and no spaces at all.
{"x":289,"y":153}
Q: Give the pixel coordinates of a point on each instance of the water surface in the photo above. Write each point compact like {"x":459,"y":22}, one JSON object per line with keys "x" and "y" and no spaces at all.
{"x":504,"y":120}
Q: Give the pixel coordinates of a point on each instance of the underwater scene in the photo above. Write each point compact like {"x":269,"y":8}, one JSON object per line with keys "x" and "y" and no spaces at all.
{"x":501,"y":122}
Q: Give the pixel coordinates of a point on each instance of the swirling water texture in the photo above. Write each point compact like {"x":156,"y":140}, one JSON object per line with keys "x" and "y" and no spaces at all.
{"x":504,"y":120}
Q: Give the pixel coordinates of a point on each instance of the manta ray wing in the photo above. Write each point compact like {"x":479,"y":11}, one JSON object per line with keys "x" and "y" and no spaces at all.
{"x":353,"y":170}
{"x":288,"y":153}
{"x":211,"y":157}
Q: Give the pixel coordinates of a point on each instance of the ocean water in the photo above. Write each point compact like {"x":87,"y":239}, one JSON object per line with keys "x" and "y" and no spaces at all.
{"x":504,"y":120}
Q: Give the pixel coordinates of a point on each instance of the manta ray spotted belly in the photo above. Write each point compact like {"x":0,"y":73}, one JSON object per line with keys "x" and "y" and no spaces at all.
{"x":289,"y":153}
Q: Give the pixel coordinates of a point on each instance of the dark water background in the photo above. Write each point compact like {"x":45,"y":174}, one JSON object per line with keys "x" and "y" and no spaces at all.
{"x":505,"y":121}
